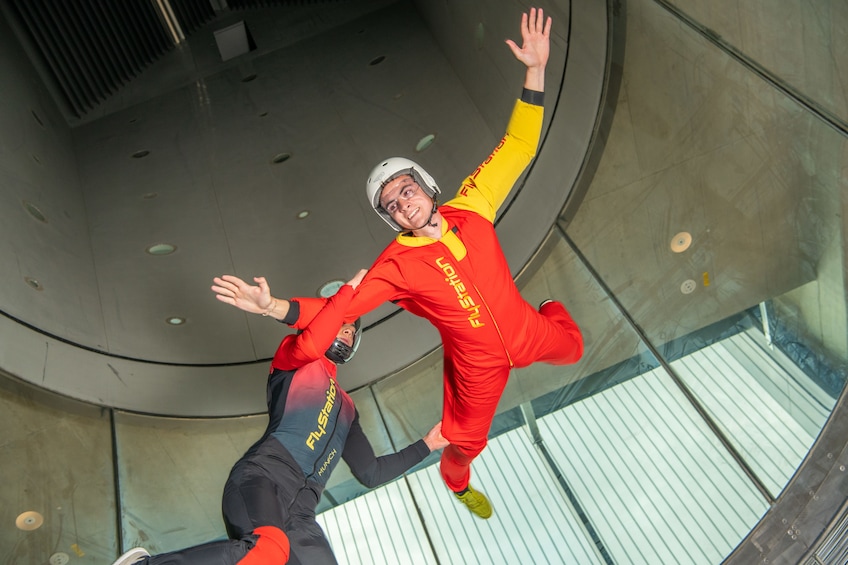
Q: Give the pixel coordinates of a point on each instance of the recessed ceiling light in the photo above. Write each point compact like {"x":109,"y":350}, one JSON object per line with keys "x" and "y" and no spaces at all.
{"x":249,"y":78}
{"x":425,"y":142}
{"x":35,"y":158}
{"x":263,"y":114}
{"x":328,"y":289}
{"x":60,"y":558}
{"x":377,"y":60}
{"x":28,"y":521}
{"x":33,"y":283}
{"x":681,"y":242}
{"x":34,"y":211}
{"x":161,"y":249}
{"x":479,"y":36}
{"x":281,"y":158}
{"x":688,"y":286}
{"x":175,"y":321}
{"x":140,"y":154}
{"x":150,"y":195}
{"x":302,"y":214}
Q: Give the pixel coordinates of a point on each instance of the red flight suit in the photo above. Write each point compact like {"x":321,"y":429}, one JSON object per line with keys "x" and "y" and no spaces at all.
{"x":462,"y":284}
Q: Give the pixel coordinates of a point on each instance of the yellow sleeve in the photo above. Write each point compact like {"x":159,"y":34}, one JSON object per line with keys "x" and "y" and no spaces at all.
{"x":484,"y":190}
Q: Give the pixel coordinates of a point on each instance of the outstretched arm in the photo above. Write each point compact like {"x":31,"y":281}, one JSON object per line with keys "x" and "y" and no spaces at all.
{"x":535,"y":48}
{"x":373,"y":471}
{"x":486,"y":188}
{"x":255,"y":299}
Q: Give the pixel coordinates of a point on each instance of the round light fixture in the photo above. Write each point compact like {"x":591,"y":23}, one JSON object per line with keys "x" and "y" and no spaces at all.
{"x":33,"y":283}
{"x":479,"y":36}
{"x":175,"y":321}
{"x":681,"y":242}
{"x":328,"y":289}
{"x":688,"y":286}
{"x":150,"y":195}
{"x":302,"y":214}
{"x":425,"y":142}
{"x":34,"y":211}
{"x":161,"y":249}
{"x":28,"y":521}
{"x":377,"y":60}
{"x":140,"y":154}
{"x":281,"y":158}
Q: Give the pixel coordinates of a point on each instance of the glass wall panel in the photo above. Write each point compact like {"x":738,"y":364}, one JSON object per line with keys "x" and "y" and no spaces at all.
{"x":801,"y":43}
{"x":717,"y":193}
{"x":172,"y":474}
{"x":57,"y":490}
{"x":770,"y":410}
{"x":653,"y":480}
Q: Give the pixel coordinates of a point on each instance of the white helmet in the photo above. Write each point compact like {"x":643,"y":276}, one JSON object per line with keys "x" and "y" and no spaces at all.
{"x":392,"y":168}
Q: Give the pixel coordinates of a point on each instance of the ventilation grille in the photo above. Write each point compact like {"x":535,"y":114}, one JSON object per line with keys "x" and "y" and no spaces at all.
{"x":246,"y":4}
{"x":834,"y":549}
{"x":88,"y":49}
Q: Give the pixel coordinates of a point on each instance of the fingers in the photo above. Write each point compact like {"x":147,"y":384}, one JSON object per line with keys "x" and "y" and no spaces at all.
{"x":535,"y":23}
{"x":540,"y":20}
{"x":354,"y":282}
{"x":226,"y":299}
{"x":263,"y":284}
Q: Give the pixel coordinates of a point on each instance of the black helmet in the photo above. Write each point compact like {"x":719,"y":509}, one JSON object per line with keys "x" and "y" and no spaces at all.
{"x":340,"y":352}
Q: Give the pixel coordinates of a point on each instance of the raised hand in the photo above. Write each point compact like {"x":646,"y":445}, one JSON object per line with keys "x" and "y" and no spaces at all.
{"x":250,"y":298}
{"x":536,"y":44}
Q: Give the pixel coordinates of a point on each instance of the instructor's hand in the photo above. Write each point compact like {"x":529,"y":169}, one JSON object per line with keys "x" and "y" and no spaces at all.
{"x":357,"y":278}
{"x":434,"y":438}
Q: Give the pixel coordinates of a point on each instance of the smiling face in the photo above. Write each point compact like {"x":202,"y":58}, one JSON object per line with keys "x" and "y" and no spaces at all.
{"x":404,"y":200}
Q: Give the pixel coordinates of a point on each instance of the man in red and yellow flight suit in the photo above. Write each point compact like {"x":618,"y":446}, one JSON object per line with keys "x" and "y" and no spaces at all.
{"x":447,"y":266}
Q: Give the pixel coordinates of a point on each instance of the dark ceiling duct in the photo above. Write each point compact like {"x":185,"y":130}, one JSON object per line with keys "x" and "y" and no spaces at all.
{"x":192,"y":14}
{"x":89,"y":49}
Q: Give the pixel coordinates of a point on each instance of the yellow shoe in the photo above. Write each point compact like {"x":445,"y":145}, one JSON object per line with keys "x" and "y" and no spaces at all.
{"x":476,"y":502}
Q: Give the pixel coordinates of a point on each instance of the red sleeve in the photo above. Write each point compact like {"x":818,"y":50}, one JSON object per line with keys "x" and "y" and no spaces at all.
{"x":295,"y":351}
{"x":382,"y":283}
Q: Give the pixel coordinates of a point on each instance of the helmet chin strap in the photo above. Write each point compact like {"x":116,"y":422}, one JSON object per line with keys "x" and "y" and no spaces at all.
{"x":429,"y":219}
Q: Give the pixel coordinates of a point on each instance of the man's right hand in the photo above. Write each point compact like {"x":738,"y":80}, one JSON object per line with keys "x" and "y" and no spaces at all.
{"x":250,"y":298}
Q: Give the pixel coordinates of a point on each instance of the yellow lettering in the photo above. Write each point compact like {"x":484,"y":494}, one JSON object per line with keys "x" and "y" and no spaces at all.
{"x":323,"y":417}
{"x":465,"y":301}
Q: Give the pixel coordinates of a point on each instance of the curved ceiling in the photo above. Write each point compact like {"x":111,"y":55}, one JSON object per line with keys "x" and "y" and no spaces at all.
{"x":188,"y":154}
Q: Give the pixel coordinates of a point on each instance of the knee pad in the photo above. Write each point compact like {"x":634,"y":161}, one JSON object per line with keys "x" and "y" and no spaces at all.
{"x":272,"y":547}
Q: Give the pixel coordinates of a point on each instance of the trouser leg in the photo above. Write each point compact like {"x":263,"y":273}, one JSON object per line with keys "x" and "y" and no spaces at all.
{"x":556,"y":338}
{"x":254,"y":513}
{"x":470,"y":400}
